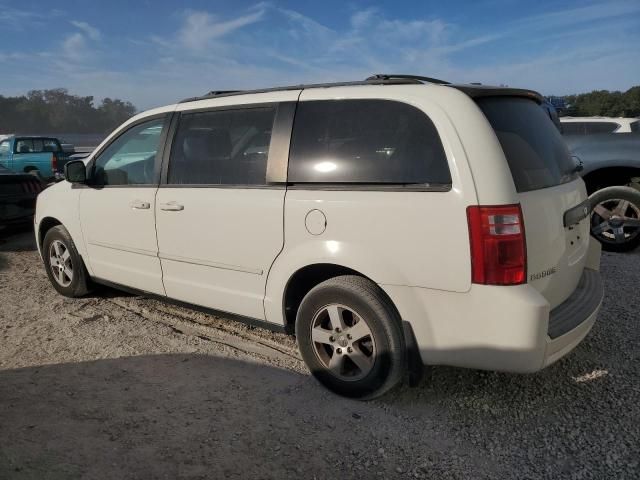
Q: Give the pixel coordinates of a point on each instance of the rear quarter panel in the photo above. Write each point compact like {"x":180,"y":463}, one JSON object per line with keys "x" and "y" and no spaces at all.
{"x":408,"y":238}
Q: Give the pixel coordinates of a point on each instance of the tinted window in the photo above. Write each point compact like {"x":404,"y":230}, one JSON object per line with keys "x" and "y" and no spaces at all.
{"x":24,"y":145}
{"x":573,"y":128}
{"x":228,"y":147}
{"x":36,"y":145}
{"x":130,"y":158}
{"x":600,"y":127}
{"x":537,"y":155}
{"x":365,"y":141}
{"x":635,"y":126}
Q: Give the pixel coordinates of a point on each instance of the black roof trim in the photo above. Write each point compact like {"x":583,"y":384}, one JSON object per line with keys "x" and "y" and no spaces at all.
{"x":390,"y":76}
{"x":473,"y":90}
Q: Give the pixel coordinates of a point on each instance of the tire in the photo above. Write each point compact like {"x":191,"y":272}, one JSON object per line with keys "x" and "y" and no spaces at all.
{"x":58,"y":249}
{"x":616,"y":230}
{"x":376,"y":351}
{"x":36,"y":173}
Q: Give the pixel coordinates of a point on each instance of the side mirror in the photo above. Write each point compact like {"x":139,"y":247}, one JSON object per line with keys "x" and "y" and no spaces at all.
{"x":75,"y":172}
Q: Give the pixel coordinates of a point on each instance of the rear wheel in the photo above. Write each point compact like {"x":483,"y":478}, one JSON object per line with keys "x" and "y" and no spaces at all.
{"x":615,"y":218}
{"x":350,"y":337}
{"x":36,"y":173}
{"x":64,"y":265}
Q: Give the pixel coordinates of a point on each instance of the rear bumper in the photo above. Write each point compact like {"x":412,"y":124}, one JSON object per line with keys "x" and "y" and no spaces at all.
{"x":498,"y":328}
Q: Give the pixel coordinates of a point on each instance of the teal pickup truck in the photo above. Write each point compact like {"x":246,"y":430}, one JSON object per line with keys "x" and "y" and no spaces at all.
{"x":40,"y":156}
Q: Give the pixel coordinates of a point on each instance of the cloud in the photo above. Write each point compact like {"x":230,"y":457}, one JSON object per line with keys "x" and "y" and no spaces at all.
{"x":200,"y":28}
{"x":560,"y":52}
{"x":74,"y":47}
{"x":91,"y":32}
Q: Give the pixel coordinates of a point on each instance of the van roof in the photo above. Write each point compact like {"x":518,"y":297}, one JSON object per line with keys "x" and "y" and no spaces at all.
{"x":474,"y":90}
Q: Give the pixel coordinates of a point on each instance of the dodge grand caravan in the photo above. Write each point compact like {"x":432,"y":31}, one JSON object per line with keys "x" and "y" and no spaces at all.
{"x":391,"y":223}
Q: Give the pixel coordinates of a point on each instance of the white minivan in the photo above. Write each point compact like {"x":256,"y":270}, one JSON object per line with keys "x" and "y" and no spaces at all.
{"x":391,"y":223}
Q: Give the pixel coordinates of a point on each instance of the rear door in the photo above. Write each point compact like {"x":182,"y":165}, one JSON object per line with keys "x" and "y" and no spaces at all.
{"x":552,"y":196}
{"x":219,"y":210}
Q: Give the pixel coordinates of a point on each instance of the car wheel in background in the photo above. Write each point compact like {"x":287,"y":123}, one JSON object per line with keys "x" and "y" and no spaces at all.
{"x":350,"y":337}
{"x":63,"y":263}
{"x":615,"y":218}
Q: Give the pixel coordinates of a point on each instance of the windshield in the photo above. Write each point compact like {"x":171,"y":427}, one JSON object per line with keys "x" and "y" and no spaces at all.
{"x":537,"y":155}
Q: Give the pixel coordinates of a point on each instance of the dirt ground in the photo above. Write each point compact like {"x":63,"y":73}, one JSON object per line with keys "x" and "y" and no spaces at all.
{"x":114,"y":386}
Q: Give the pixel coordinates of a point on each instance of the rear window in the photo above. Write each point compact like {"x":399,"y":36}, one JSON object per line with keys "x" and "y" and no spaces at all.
{"x":365,"y":142}
{"x":537,"y":155}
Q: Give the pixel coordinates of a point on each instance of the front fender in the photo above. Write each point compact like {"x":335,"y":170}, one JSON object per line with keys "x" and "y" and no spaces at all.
{"x":60,"y":202}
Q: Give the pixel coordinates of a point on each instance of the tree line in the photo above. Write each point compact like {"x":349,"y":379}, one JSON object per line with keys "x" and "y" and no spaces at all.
{"x":604,"y":103}
{"x":57,"y":111}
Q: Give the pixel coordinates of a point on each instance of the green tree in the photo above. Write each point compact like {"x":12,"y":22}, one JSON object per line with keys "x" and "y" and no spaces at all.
{"x":57,"y":111}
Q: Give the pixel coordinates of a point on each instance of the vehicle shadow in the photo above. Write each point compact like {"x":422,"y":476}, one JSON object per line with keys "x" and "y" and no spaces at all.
{"x":17,"y":239}
{"x":192,"y":416}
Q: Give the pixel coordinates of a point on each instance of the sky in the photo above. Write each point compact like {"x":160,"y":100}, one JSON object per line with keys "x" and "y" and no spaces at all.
{"x":157,"y":52}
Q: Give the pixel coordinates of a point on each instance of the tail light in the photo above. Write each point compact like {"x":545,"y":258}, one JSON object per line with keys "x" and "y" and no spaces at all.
{"x":498,"y":246}
{"x":54,"y":162}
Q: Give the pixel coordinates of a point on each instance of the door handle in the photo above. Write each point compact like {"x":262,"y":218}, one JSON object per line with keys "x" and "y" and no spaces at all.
{"x":171,"y":207}
{"x":138,"y":205}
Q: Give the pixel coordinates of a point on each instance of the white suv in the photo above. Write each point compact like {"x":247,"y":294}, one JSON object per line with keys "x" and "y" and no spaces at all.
{"x":390,"y":223}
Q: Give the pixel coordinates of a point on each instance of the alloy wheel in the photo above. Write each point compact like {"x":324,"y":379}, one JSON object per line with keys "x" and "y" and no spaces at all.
{"x":60,"y":263}
{"x":343,"y":342}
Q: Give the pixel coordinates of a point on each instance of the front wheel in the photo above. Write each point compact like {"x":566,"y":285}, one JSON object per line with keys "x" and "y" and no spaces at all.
{"x":350,"y":337}
{"x":615,"y":218}
{"x":64,"y":265}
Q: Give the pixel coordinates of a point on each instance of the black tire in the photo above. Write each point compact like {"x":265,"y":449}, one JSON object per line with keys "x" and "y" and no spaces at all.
{"x":388,"y":358}
{"x":608,"y":196}
{"x":78,"y":284}
{"x":36,"y":173}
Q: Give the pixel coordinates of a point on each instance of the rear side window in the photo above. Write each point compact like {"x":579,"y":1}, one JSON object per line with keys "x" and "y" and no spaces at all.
{"x":600,"y":127}
{"x":37,"y":145}
{"x":227,"y":147}
{"x":537,"y":155}
{"x":573,"y":128}
{"x":635,"y":126}
{"x":366,"y":142}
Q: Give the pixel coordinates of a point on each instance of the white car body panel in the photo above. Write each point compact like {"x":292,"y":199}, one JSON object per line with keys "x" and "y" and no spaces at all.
{"x":108,"y":217}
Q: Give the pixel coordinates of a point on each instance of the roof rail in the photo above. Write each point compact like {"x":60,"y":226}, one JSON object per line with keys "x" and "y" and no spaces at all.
{"x":222,"y":93}
{"x":390,"y":76}
{"x":379,"y":79}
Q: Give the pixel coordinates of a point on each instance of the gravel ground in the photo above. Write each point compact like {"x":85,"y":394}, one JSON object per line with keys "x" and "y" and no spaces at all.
{"x":116,"y":386}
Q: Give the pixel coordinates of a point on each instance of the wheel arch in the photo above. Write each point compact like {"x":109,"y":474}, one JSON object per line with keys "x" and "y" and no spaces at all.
{"x":609,"y":176}
{"x":46,"y":224}
{"x":306,"y":277}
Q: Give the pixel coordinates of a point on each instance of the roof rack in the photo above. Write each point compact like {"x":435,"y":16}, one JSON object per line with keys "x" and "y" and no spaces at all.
{"x":390,"y":76}
{"x":378,"y":79}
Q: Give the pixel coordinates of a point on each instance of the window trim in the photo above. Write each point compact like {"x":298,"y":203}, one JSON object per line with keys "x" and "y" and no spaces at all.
{"x":168,"y":116}
{"x":277,"y":163}
{"x":371,"y":186}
